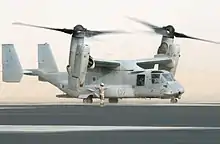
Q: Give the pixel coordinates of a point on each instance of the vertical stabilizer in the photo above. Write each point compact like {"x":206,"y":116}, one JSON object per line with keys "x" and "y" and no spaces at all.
{"x":46,"y":61}
{"x":11,"y":67}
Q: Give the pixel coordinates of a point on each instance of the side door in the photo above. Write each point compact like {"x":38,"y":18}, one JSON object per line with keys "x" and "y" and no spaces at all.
{"x":155,"y":86}
{"x":140,"y":87}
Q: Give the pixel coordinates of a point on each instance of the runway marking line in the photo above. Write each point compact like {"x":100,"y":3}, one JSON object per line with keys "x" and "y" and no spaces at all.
{"x":17,"y":108}
{"x":72,"y":128}
{"x":107,"y":104}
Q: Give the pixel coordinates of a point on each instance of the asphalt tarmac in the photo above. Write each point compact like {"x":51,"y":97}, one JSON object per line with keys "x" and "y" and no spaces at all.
{"x":153,"y":124}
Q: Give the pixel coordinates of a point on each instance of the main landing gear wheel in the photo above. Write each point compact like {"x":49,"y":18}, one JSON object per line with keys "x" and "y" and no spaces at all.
{"x":101,"y":104}
{"x":173,"y":100}
{"x":88,"y":100}
{"x":113,"y":100}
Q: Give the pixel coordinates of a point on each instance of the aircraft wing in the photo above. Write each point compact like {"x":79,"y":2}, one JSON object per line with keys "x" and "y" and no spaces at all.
{"x":106,"y":63}
{"x":149,"y":63}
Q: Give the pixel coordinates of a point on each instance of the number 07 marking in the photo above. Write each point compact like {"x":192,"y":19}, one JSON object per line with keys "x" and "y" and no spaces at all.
{"x":121,"y":92}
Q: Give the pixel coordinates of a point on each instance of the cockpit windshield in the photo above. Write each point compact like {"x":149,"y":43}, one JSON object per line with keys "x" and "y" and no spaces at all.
{"x":168,"y":77}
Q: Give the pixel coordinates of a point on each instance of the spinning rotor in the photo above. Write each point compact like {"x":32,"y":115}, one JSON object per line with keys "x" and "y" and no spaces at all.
{"x":77,"y":31}
{"x":168,"y":31}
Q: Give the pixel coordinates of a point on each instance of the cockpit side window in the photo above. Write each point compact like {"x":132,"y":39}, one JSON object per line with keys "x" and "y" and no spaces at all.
{"x":140,"y":80}
{"x":168,"y":77}
{"x":155,"y":78}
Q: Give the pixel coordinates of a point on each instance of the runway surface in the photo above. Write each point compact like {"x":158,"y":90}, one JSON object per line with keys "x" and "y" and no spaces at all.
{"x":115,"y":123}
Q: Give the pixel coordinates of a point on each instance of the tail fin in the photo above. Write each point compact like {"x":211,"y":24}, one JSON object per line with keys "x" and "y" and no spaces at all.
{"x":11,"y":67}
{"x":46,"y":61}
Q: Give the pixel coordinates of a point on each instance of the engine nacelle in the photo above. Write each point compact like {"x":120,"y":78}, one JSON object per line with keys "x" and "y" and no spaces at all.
{"x":91,"y":63}
{"x":172,"y":51}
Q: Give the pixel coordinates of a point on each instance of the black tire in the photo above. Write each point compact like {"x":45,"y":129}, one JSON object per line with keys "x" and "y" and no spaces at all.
{"x":89,"y":99}
{"x":84,"y":100}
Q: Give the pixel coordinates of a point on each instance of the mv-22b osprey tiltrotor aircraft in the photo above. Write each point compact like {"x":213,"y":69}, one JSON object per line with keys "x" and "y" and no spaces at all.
{"x":122,"y":78}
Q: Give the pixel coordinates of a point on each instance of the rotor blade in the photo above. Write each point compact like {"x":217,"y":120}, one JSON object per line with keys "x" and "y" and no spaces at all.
{"x":68,"y":31}
{"x":144,"y":31}
{"x":143,"y":22}
{"x":156,"y":29}
{"x":180,"y":35}
{"x":90,"y":33}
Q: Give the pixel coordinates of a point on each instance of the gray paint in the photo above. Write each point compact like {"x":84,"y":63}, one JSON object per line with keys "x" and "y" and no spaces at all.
{"x":77,"y":66}
{"x":119,"y":76}
{"x":46,"y":59}
{"x":11,"y":67}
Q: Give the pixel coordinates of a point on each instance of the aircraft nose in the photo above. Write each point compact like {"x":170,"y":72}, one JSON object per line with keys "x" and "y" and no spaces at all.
{"x":176,"y":89}
{"x":181,"y":91}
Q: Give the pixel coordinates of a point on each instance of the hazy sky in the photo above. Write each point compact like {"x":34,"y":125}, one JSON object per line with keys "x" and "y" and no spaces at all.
{"x":192,"y":17}
{"x":196,"y":18}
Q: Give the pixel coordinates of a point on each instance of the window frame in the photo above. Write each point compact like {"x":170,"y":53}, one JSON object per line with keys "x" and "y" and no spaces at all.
{"x":138,"y":82}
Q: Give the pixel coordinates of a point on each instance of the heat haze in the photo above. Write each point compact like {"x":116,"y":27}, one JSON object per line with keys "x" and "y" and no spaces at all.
{"x":198,"y":69}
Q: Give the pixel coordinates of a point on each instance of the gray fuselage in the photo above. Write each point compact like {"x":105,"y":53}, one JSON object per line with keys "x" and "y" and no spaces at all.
{"x":146,"y":83}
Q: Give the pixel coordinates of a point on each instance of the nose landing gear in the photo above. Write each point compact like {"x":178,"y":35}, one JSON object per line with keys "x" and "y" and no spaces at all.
{"x":173,"y":100}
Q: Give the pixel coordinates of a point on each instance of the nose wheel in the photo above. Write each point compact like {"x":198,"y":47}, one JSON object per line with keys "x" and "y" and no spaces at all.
{"x":173,"y":100}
